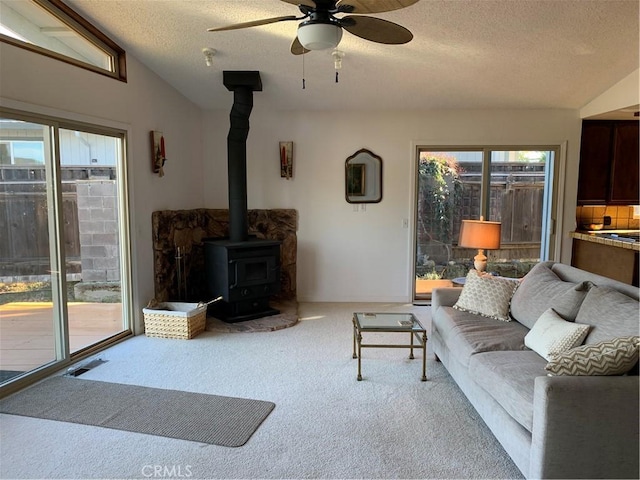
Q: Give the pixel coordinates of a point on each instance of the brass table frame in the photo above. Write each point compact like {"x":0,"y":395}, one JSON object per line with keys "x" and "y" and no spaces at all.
{"x":414,"y":330}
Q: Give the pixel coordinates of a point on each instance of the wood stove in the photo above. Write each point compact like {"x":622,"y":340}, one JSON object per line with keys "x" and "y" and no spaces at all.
{"x":246,"y":275}
{"x":244,"y":271}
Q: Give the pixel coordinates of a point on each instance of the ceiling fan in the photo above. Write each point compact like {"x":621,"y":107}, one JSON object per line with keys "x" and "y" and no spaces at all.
{"x":321,"y":29}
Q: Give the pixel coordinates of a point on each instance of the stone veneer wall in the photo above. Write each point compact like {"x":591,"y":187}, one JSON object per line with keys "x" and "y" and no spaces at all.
{"x":188,"y":228}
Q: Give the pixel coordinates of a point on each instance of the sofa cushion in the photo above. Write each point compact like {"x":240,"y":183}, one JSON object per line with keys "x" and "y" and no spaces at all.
{"x":611,"y":357}
{"x":610,"y":313}
{"x":486,"y":295}
{"x":541,"y":289}
{"x":509,"y":378}
{"x":466,"y":334}
{"x":551,"y":335}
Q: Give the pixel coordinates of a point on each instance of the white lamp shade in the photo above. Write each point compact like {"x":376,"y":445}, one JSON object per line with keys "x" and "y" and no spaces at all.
{"x":319,"y":36}
{"x":480,"y":234}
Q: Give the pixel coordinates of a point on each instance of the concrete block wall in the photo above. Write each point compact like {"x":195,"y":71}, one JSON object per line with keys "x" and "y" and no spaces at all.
{"x":98,"y":230}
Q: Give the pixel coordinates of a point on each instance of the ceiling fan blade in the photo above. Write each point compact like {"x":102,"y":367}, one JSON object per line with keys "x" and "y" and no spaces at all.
{"x":308,"y":3}
{"x":372,"y":6}
{"x":255,"y":23}
{"x":297,"y":48}
{"x":376,"y":30}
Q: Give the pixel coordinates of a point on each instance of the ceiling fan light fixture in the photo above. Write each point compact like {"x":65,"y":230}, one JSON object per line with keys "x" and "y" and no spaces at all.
{"x":319,"y":36}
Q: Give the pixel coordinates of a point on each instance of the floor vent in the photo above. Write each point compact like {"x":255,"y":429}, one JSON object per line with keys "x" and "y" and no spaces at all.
{"x":84,"y":368}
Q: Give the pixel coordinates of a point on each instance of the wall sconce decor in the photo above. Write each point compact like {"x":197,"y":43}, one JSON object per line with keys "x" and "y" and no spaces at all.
{"x":157,"y":153}
{"x":286,"y":160}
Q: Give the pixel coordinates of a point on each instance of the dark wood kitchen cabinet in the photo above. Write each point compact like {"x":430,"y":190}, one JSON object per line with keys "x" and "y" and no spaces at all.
{"x":609,"y":163}
{"x":624,"y":164}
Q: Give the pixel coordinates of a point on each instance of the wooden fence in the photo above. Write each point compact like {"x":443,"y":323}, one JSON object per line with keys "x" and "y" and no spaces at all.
{"x":518,"y":205}
{"x":24,"y":217}
{"x":24,"y":249}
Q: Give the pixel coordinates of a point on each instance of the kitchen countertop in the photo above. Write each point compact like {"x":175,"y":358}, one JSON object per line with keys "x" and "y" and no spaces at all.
{"x":591,"y":236}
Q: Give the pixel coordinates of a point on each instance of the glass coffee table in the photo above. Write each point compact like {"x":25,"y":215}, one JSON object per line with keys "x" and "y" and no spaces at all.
{"x":403,"y":323}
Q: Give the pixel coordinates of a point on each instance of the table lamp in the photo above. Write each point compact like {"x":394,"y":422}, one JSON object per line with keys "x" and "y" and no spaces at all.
{"x":481,"y":235}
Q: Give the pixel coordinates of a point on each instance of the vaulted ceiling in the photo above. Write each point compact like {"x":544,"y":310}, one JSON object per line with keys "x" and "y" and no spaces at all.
{"x":465,"y":53}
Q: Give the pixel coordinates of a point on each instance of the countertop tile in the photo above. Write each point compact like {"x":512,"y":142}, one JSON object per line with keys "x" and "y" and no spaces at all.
{"x":587,"y":237}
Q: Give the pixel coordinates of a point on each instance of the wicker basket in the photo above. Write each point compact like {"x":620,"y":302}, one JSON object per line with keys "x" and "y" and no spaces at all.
{"x":175,"y":320}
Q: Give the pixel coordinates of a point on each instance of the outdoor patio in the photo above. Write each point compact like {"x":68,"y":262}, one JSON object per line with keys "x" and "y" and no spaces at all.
{"x":27,"y":336}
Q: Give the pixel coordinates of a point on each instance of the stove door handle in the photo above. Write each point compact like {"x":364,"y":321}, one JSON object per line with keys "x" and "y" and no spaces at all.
{"x":235,"y":271}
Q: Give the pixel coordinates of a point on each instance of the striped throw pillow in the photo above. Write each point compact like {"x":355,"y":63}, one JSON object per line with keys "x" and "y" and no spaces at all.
{"x":609,"y":357}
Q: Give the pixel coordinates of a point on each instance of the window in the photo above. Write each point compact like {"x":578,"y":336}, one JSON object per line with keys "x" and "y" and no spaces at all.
{"x":51,"y":28}
{"x":513,"y":186}
{"x":21,"y":153}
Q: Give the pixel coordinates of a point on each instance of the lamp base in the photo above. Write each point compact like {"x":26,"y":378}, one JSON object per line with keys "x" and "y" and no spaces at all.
{"x":480,"y":261}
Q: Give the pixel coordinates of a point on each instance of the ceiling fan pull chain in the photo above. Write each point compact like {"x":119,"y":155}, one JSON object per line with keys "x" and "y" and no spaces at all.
{"x":336,"y":77}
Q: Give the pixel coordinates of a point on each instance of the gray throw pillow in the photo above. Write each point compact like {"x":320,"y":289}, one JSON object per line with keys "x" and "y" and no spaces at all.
{"x":567,"y":305}
{"x":610,"y":313}
{"x":541,"y":289}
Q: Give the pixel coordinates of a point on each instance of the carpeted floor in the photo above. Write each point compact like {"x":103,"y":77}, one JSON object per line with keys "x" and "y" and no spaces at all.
{"x":326,"y":424}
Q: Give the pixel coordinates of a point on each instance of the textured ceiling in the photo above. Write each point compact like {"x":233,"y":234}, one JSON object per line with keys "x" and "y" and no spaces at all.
{"x":465,"y":53}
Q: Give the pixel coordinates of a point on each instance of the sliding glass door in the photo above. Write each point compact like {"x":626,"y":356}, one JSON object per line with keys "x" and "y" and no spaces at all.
{"x":29,"y":285}
{"x":512,"y":186}
{"x":90,"y":163}
{"x":64,"y":258}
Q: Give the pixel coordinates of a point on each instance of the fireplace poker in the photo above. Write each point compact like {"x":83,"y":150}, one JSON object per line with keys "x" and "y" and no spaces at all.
{"x":206,"y":304}
{"x":181,"y":272}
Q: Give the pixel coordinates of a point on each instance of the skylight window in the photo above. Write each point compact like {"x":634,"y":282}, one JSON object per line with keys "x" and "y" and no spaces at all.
{"x":51,"y":28}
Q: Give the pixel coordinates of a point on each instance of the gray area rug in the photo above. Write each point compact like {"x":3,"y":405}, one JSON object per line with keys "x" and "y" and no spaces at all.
{"x":213,"y":419}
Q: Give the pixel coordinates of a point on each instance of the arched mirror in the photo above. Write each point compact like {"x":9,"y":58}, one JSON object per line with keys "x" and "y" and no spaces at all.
{"x":363,"y":177}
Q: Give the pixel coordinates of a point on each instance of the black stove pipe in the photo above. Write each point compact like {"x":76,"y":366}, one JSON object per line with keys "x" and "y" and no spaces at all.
{"x":237,"y":163}
{"x":243,"y":84}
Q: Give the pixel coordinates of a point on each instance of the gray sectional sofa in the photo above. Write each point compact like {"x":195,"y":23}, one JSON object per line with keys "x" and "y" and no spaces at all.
{"x":552,"y":426}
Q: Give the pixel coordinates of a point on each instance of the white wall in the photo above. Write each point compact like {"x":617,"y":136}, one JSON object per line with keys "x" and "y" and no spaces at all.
{"x":623,"y":94}
{"x":344,"y":255}
{"x":35,"y":83}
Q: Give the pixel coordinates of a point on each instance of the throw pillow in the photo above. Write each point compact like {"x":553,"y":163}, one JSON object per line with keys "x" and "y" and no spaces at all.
{"x":610,"y":313}
{"x":568,"y":304}
{"x":610,"y":357}
{"x":486,"y":295}
{"x":552,"y":335}
{"x":541,"y":289}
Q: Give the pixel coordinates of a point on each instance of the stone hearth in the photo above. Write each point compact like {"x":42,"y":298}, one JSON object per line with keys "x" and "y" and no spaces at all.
{"x":188,"y":228}
{"x":288,"y":317}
